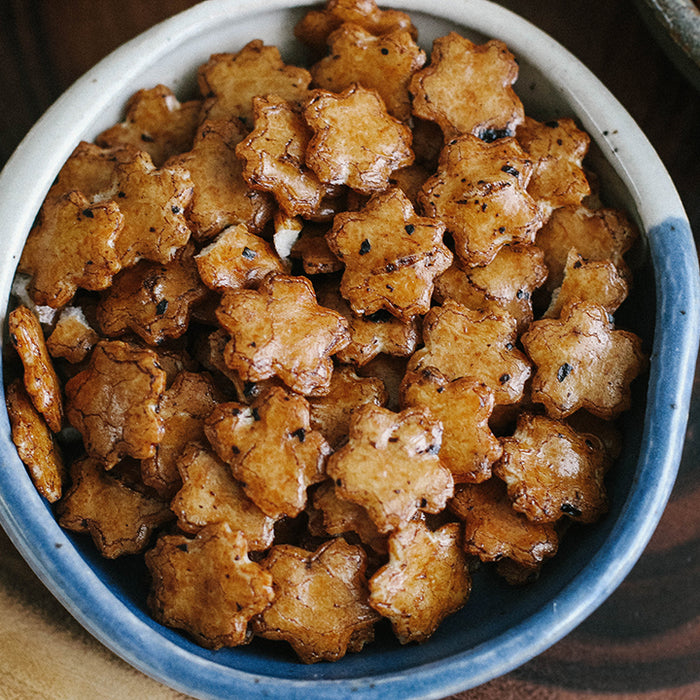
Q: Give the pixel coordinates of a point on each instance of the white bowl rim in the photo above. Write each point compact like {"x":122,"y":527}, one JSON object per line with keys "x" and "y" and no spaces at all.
{"x":662,"y":216}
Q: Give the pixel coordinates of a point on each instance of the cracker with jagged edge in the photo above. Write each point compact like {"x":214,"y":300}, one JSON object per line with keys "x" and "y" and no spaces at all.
{"x":312,"y":248}
{"x":467,"y":88}
{"x":390,"y":465}
{"x":582,"y":361}
{"x":370,"y":335}
{"x":331,"y":414}
{"x":34,"y":442}
{"x":154,"y":300}
{"x":493,"y":530}
{"x":120,"y":519}
{"x":550,"y":471}
{"x":182,"y":408}
{"x":207,"y":585}
{"x":505,"y":285}
{"x":464,"y":406}
{"x":274,"y":157}
{"x":39,"y":377}
{"x":73,"y":244}
{"x":316,"y":26}
{"x":230,"y":81}
{"x":113,"y":402}
{"x":237,"y":258}
{"x":155,"y":122}
{"x":479,"y":191}
{"x":271,"y":448}
{"x":383,"y":63}
{"x":209,"y":494}
{"x":462,"y":342}
{"x":391,"y":256}
{"x":72,"y":336}
{"x":331,"y":515}
{"x":597,"y":234}
{"x":597,"y":281}
{"x":320,"y":605}
{"x":557,"y":149}
{"x":426,"y":579}
{"x":340,"y":154}
{"x":153,"y":203}
{"x":280,"y":330}
{"x":221,"y":197}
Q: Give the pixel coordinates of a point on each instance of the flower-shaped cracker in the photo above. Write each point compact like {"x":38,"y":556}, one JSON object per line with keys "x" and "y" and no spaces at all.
{"x":370,"y":335}
{"x":391,"y":256}
{"x":155,"y":122}
{"x":40,"y":378}
{"x":330,"y":414}
{"x":597,"y":234}
{"x":427,"y":578}
{"x":34,"y":442}
{"x":551,"y":470}
{"x":597,"y":281}
{"x":207,"y":586}
{"x":505,"y":285}
{"x":582,"y":362}
{"x":467,"y":88}
{"x":479,"y":192}
{"x":557,"y":149}
{"x":317,"y":25}
{"x":274,"y":157}
{"x":384,"y":63}
{"x":210,"y":494}
{"x":74,"y":244}
{"x":72,"y":337}
{"x":320,"y":605}
{"x":271,"y":449}
{"x":230,"y":81}
{"x":493,"y":530}
{"x":153,"y":300}
{"x":153,"y":203}
{"x":221,"y":196}
{"x":341,"y":154}
{"x":120,"y":519}
{"x":390,"y":465}
{"x":279,"y":329}
{"x":113,"y":403}
{"x":461,"y":342}
{"x":182,"y":409}
{"x":464,"y":406}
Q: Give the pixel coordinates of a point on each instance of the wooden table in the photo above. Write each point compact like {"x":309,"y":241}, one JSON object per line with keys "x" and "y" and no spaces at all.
{"x":645,"y":640}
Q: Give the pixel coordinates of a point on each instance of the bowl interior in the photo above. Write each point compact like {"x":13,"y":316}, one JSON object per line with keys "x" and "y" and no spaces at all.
{"x":500,"y":626}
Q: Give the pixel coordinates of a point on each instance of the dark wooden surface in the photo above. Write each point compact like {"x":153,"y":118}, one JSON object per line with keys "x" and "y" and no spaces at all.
{"x":645,"y":640}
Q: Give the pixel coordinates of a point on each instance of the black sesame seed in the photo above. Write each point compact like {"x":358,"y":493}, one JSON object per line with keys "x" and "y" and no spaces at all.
{"x":510,"y":170}
{"x":409,"y":228}
{"x":300,"y":434}
{"x":248,"y":254}
{"x":162,"y":307}
{"x":564,"y":371}
{"x":365,"y":247}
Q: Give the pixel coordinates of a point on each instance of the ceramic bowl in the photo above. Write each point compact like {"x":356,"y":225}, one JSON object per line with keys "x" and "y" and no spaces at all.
{"x":501,"y":627}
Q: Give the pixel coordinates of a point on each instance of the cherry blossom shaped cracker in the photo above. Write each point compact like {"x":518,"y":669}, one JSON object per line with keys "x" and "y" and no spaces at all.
{"x":479,"y":191}
{"x":230,"y":81}
{"x":467,"y":88}
{"x":583,"y":362}
{"x":113,"y":402}
{"x":320,"y":606}
{"x":271,"y":448}
{"x":155,"y":122}
{"x":391,"y":256}
{"x":427,"y":579}
{"x":40,"y":379}
{"x":341,"y":154}
{"x":461,"y":342}
{"x":551,"y":471}
{"x":280,"y":330}
{"x":390,"y":465}
{"x":207,"y":585}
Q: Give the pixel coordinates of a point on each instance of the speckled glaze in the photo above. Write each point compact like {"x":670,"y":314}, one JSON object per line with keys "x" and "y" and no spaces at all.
{"x":501,"y":627}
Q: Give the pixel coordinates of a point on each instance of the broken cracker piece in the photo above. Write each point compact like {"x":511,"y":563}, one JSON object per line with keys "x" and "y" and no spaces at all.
{"x":72,"y":337}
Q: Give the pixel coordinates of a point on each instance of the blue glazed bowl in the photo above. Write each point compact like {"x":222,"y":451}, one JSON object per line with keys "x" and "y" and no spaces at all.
{"x":501,"y":627}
